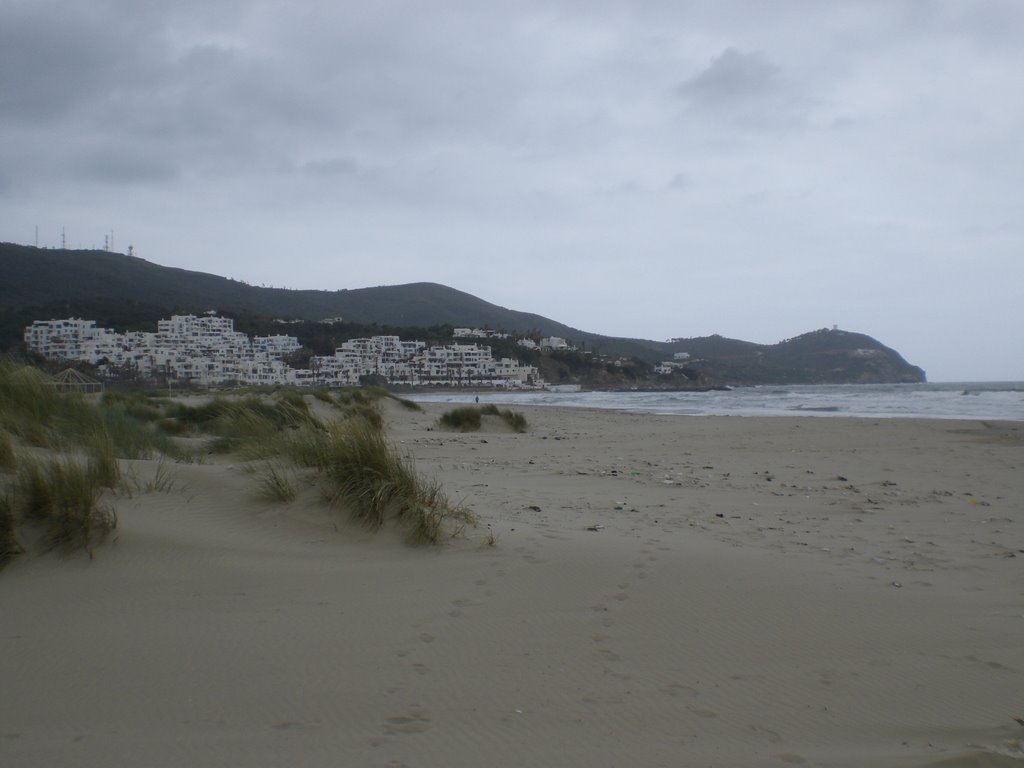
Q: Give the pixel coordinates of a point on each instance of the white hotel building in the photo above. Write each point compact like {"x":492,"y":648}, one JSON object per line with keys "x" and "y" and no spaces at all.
{"x":208,"y":351}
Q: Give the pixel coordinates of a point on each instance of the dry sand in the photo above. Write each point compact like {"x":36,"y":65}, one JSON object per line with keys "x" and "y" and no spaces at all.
{"x":780,"y":591}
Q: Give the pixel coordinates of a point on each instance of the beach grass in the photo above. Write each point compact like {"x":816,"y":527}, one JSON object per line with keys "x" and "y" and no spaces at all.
{"x":87,"y":436}
{"x":32,"y":410}
{"x":376,"y":484}
{"x":163,"y":480}
{"x":467,"y":419}
{"x":349,"y":395}
{"x":515,"y":420}
{"x":62,"y":496}
{"x":8,"y":459}
{"x":470,"y":418}
{"x":251,"y":426}
{"x":9,"y":546}
{"x":278,"y":482}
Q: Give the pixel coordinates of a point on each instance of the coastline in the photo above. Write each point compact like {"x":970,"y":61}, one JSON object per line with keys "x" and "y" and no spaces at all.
{"x":663,"y":591}
{"x":994,"y":401}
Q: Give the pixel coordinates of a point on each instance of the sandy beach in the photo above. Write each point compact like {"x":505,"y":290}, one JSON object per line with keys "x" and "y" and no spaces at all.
{"x":640,"y":591}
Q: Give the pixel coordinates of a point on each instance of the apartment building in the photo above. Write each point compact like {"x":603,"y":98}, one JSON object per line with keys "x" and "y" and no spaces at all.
{"x":208,"y":351}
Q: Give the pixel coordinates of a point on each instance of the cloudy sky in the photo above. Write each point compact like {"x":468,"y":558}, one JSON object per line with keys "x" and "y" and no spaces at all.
{"x":652,"y":169}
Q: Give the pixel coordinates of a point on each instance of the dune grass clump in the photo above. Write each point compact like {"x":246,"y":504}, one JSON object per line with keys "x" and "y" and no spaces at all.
{"x":278,"y":483}
{"x":251,"y":426}
{"x":367,"y":475}
{"x":515,"y":420}
{"x":466,"y":419}
{"x":32,"y":409}
{"x":347,"y":396}
{"x":8,"y":460}
{"x":62,"y":496}
{"x":409,"y":405}
{"x":28,"y":404}
{"x":323,"y":396}
{"x":103,"y":465}
{"x":367,"y":412}
{"x":136,"y":404}
{"x":470,"y":419}
{"x":9,"y":546}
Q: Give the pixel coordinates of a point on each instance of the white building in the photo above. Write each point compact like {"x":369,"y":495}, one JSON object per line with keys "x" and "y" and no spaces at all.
{"x":555,"y":342}
{"x":208,"y":351}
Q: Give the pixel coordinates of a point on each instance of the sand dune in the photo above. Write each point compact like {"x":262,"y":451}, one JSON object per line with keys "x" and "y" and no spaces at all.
{"x":663,"y":592}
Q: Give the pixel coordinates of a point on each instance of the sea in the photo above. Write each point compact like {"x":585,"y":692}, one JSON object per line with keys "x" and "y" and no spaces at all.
{"x":989,"y":401}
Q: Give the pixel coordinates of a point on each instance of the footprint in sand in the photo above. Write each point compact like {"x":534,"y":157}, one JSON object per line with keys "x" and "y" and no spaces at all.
{"x":678,"y":689}
{"x":990,"y":664}
{"x":416,"y":721}
{"x":772,"y":736}
{"x":791,"y":759}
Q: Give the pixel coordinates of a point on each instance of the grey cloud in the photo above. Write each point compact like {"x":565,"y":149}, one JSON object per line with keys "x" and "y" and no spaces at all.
{"x":679,"y":182}
{"x":426,"y":131}
{"x":110,"y":165}
{"x":52,"y":63}
{"x":747,"y":91}
{"x":731,"y":77}
{"x":333,"y":167}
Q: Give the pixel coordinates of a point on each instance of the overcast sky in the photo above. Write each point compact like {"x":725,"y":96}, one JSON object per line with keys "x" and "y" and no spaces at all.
{"x":651,"y":169}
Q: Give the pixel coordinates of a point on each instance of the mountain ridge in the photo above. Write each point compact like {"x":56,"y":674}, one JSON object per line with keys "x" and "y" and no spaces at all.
{"x":34,"y":279}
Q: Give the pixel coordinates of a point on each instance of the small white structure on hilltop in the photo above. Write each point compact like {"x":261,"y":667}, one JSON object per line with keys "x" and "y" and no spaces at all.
{"x":478,"y":333}
{"x":555,"y":342}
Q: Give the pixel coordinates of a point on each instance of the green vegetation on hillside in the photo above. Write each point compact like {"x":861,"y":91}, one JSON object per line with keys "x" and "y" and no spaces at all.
{"x":128,"y":293}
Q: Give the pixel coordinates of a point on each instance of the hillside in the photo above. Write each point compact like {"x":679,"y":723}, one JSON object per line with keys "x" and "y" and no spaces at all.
{"x":34,"y":276}
{"x":124,"y":292}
